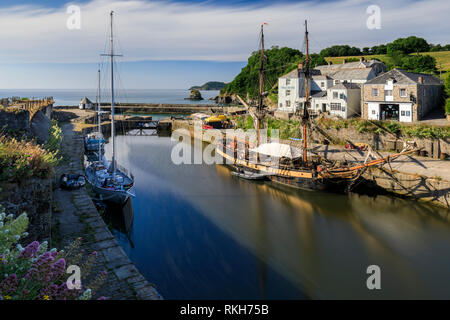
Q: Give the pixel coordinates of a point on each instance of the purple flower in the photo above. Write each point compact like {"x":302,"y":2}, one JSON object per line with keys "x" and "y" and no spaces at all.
{"x":9,"y":285}
{"x":58,"y":268}
{"x":30,"y":250}
{"x":102,"y":298}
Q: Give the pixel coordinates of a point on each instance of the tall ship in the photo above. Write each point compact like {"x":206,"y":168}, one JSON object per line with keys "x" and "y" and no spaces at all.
{"x":109,"y":182}
{"x":286,"y":164}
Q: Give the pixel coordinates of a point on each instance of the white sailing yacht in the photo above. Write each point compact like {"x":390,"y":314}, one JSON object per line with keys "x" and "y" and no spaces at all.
{"x":94,"y":142}
{"x":108,"y":181}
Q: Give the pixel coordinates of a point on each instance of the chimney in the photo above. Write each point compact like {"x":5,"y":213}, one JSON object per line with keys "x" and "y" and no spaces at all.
{"x":344,"y":61}
{"x":420,"y":80}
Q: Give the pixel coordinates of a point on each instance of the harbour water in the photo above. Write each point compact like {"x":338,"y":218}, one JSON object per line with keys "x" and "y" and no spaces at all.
{"x":200,"y":233}
{"x":73,"y":97}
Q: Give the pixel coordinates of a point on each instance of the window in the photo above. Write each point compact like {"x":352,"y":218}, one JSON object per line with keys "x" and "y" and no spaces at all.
{"x":281,"y":105}
{"x":288,"y":92}
{"x":373,"y":112}
{"x":424,"y":92}
{"x":335,"y":94}
{"x":336,"y":81}
{"x":403,"y":113}
{"x":387,"y":92}
{"x":288,"y":82}
{"x":343,"y":109}
{"x":403,"y":93}
{"x":288,"y":103}
{"x":341,"y":96}
{"x":408,"y":113}
{"x":374,"y":92}
{"x":322,"y":84}
{"x":335,"y":106}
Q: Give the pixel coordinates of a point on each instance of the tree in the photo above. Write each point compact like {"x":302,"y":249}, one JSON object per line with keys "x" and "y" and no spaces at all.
{"x":340,"y":51}
{"x":408,"y":45}
{"x":366,"y":50}
{"x":418,"y":63}
{"x":279,"y":61}
{"x":381,"y":49}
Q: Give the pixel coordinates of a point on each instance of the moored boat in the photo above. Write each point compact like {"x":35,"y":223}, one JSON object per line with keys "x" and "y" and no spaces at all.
{"x":108,"y":181}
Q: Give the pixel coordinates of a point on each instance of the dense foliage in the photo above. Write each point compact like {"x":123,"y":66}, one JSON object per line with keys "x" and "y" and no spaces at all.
{"x":447,"y":106}
{"x":20,"y":160}
{"x":340,"y":51}
{"x":411,"y":44}
{"x":418,"y":63}
{"x":278,"y":62}
{"x":36,"y":273}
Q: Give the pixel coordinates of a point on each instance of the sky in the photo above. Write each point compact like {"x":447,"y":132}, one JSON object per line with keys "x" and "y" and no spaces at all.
{"x":177,"y":44}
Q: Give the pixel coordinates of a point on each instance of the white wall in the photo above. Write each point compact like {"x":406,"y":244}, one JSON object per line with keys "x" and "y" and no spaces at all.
{"x":373,"y":107}
{"x":406,"y":108}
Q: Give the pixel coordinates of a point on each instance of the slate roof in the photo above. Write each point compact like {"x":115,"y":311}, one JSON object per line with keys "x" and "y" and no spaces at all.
{"x":346,"y":85}
{"x":403,"y":77}
{"x":294,"y":74}
{"x":86,"y":101}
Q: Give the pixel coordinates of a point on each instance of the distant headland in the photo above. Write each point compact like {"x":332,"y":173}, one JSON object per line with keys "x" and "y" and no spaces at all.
{"x":211,"y":85}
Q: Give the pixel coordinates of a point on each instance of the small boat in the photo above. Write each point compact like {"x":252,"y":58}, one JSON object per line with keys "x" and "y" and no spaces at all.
{"x":94,"y":142}
{"x":108,"y":181}
{"x":111,"y":187}
{"x":249,"y":175}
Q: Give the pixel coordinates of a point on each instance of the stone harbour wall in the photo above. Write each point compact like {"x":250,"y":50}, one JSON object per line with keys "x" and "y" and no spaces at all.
{"x":33,"y":197}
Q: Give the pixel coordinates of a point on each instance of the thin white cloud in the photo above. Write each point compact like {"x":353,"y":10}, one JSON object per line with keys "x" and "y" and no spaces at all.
{"x":163,"y":30}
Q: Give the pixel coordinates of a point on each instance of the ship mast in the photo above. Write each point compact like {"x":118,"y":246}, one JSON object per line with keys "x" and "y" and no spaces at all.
{"x":261,"y":88}
{"x":305,"y":117}
{"x":99,"y":117}
{"x":113,"y":129}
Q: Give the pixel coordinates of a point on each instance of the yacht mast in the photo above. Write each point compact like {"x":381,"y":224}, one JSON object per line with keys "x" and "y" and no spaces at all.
{"x":261,"y":87}
{"x":305,"y":117}
{"x":99,"y":115}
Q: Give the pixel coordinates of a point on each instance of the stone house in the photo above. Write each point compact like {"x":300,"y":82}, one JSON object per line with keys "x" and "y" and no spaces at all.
{"x":400,"y":95}
{"x":291,"y":86}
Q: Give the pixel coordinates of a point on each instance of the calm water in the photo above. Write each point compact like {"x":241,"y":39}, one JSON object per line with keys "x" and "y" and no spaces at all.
{"x":73,"y":97}
{"x":199,"y":233}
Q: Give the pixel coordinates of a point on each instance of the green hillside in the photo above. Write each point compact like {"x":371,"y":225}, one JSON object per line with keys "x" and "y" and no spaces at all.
{"x":279,"y":61}
{"x":211,"y":85}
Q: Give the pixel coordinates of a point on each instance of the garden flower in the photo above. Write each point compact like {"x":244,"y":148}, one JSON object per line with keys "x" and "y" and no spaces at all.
{"x":30,"y":250}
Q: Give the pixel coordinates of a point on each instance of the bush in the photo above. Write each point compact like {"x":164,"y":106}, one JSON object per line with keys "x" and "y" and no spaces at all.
{"x":55,"y":138}
{"x":447,"y":106}
{"x":35,"y":273}
{"x":20,"y":160}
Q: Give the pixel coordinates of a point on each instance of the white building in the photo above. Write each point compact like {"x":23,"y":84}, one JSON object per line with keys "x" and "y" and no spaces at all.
{"x":342,"y":100}
{"x":291,"y":87}
{"x":86,"y":103}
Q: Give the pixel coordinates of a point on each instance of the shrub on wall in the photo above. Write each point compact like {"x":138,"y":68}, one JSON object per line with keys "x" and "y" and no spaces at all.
{"x":20,"y":160}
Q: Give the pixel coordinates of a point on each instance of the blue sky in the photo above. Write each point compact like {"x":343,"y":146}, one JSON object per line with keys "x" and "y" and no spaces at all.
{"x":176,"y":44}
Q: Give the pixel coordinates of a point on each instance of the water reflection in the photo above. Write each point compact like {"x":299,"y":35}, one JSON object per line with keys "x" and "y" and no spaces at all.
{"x":199,"y":232}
